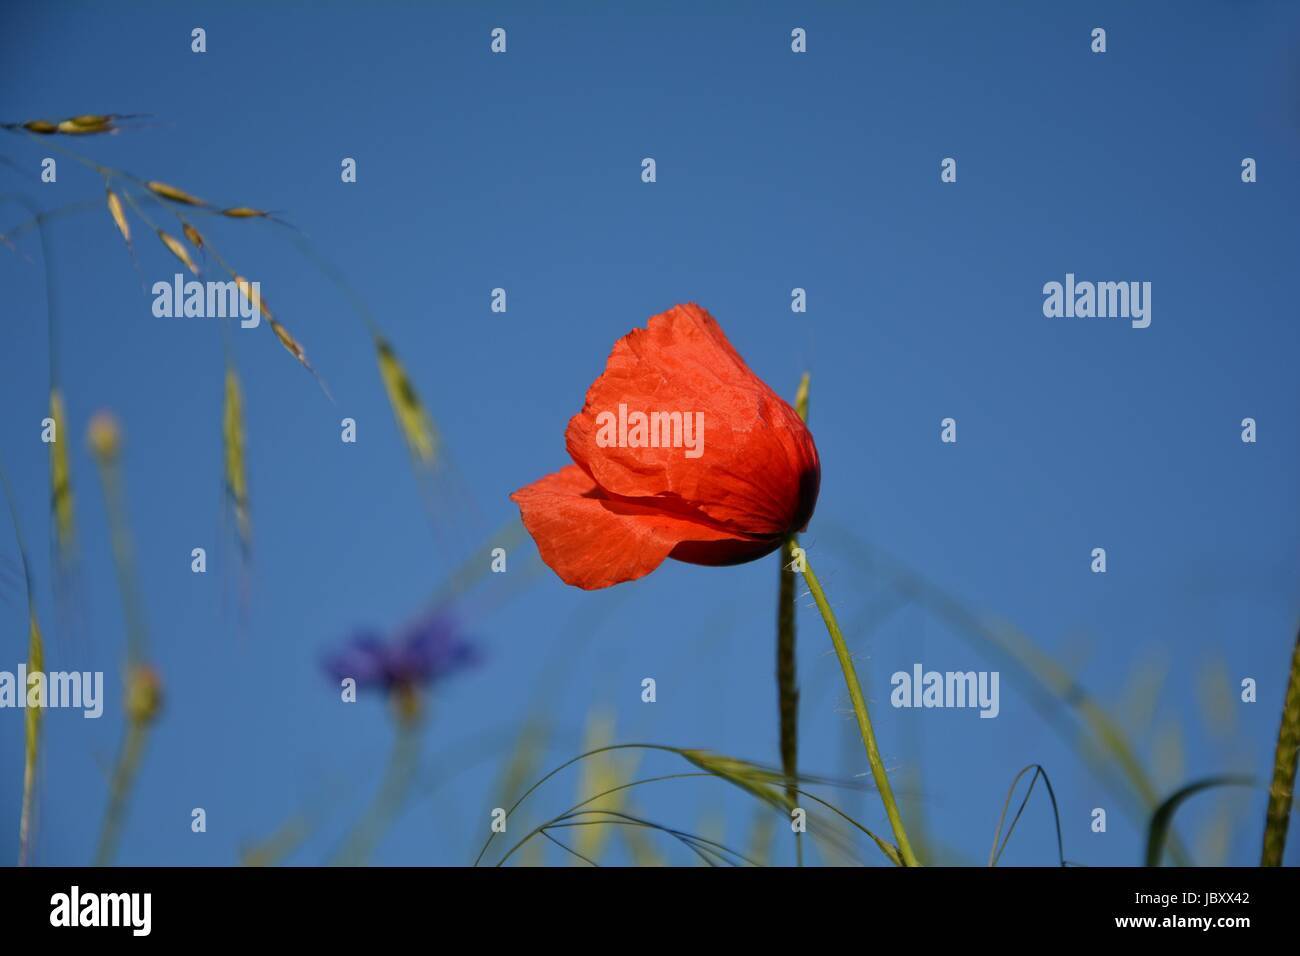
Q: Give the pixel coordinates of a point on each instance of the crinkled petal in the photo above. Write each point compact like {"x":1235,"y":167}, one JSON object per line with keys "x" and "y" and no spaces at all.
{"x":757,"y":472}
{"x":593,"y":540}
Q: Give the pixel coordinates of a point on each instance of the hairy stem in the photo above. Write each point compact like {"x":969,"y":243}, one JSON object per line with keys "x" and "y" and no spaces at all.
{"x":878,"y":773}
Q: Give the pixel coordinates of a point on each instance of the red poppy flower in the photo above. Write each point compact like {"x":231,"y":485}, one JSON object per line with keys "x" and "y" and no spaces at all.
{"x":681,"y":451}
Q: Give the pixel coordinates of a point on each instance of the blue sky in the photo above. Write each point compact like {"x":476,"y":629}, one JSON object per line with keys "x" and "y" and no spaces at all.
{"x":774,"y":171}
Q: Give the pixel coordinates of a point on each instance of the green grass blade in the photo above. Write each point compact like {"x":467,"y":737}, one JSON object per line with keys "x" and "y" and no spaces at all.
{"x":1158,"y":831}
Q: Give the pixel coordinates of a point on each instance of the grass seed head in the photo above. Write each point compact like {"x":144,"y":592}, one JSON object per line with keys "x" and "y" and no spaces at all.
{"x":173,"y":194}
{"x":87,"y":123}
{"x":178,"y":250}
{"x":415,"y":422}
{"x":763,"y":783}
{"x":289,"y":342}
{"x":246,"y":289}
{"x":119,"y":215}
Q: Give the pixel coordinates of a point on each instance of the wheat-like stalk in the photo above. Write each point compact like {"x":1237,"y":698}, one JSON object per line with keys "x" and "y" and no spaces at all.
{"x":35,"y":663}
{"x":60,"y":477}
{"x":236,"y":478}
{"x":413,"y":419}
{"x":1281,"y":792}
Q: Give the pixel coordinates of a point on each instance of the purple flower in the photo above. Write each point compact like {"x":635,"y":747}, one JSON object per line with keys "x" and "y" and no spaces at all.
{"x":422,"y":653}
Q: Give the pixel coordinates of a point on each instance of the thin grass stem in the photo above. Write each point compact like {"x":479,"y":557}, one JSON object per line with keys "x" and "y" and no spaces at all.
{"x":124,"y":773}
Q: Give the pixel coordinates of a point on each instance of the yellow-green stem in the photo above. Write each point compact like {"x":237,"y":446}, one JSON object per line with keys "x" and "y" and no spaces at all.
{"x":25,"y":819}
{"x":36,"y":661}
{"x":878,"y":773}
{"x":119,"y":789}
{"x":1282,"y":790}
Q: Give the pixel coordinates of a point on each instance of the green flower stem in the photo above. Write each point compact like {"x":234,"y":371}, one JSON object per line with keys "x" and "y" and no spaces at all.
{"x":1282,"y":791}
{"x":864,"y":720}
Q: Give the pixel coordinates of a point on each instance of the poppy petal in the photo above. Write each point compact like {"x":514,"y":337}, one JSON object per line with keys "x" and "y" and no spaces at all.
{"x":593,"y":540}
{"x":757,"y":470}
